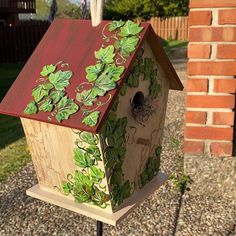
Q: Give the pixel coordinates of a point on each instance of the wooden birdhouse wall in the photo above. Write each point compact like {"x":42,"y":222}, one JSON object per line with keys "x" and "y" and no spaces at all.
{"x":142,"y":140}
{"x":53,"y":161}
{"x":141,"y":137}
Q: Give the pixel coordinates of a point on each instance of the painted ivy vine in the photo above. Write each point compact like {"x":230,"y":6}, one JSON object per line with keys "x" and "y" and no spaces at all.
{"x":143,"y":68}
{"x":85,"y":184}
{"x":50,"y":96}
{"x":113,"y":132}
{"x":151,"y":168}
{"x":104,"y":75}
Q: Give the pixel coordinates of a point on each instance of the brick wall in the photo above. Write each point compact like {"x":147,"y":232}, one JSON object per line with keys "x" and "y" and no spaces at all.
{"x":211,"y":86}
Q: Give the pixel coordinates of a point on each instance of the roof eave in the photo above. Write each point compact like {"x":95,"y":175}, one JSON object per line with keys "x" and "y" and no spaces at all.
{"x":160,"y":54}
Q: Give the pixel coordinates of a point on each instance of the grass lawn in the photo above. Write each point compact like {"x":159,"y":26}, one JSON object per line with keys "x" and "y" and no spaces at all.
{"x":168,"y":45}
{"x":13,"y":149}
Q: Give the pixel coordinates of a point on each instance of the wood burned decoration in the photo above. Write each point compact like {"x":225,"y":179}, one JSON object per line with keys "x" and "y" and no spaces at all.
{"x":93,"y":113}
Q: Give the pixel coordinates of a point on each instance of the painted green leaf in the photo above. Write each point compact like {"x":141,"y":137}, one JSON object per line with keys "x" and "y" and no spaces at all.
{"x":41,"y":91}
{"x":114,"y":72}
{"x":92,"y":119}
{"x":116,"y":178}
{"x":82,"y":179}
{"x":94,"y":71}
{"x":83,"y":193}
{"x":60,"y":79}
{"x":133,"y":81}
{"x":65,"y":108}
{"x":66,"y":187}
{"x":56,"y":96}
{"x":111,"y":157}
{"x":144,"y":178}
{"x":126,"y":189}
{"x":116,"y":25}
{"x":99,"y":198}
{"x":94,"y":151}
{"x":31,"y":108}
{"x":126,"y":46}
{"x":96,"y":174}
{"x":121,"y":152}
{"x":115,"y":104}
{"x":104,"y":84}
{"x":82,"y":159}
{"x":154,"y":90}
{"x":106,"y":55}
{"x":108,"y":127}
{"x":148,"y":68}
{"x":87,"y":97}
{"x":47,"y":105}
{"x":114,"y":141}
{"x":123,"y":89}
{"x":121,"y":127}
{"x":129,"y":29}
{"x":89,"y":138}
{"x":48,"y":69}
{"x":158,"y":150}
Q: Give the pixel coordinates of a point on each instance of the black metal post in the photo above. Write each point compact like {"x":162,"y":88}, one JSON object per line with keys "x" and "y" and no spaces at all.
{"x":99,"y":228}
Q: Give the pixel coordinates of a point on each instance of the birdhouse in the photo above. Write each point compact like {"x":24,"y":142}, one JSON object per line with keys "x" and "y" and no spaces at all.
{"x":92,"y":101}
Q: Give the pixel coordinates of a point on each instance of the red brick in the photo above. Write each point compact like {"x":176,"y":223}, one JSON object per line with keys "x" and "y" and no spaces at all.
{"x":200,"y":17}
{"x":212,"y":34}
{"x":226,"y":51}
{"x":211,"y":133}
{"x":227,"y":17}
{"x":225,"y":85}
{"x":197,"y":85}
{"x":192,"y":147}
{"x":221,"y":149}
{"x":197,"y":117}
{"x":211,"y":3}
{"x":210,"y":101}
{"x":212,"y":68}
{"x":223,"y":118}
{"x":199,"y":51}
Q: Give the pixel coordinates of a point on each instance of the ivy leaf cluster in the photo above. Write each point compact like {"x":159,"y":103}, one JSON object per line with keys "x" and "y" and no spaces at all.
{"x":113,"y":132}
{"x":145,"y":69}
{"x":128,"y":33}
{"x":104,"y":75}
{"x":151,"y":168}
{"x":84,"y":185}
{"x":51,"y":96}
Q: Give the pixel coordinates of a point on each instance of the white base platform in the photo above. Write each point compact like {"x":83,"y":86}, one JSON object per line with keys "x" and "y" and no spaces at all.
{"x":96,"y":213}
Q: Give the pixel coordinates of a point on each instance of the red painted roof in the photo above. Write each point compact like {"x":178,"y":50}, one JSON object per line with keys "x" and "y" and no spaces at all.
{"x":74,"y":42}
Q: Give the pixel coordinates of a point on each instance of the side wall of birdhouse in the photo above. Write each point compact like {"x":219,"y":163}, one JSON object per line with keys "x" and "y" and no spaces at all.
{"x":132,"y":156}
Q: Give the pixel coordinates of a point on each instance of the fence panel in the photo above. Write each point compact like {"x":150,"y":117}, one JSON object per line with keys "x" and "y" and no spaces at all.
{"x":17,"y":43}
{"x":175,"y":28}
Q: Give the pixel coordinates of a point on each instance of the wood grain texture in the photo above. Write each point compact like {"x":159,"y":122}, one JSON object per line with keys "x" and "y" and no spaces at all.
{"x":110,"y":218}
{"x":51,"y":148}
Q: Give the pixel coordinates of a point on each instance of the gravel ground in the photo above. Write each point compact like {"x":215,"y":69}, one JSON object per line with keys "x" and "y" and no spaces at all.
{"x":160,"y":214}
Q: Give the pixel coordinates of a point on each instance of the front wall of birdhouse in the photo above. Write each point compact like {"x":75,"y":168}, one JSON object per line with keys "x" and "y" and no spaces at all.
{"x":132,"y":158}
{"x":56,"y":154}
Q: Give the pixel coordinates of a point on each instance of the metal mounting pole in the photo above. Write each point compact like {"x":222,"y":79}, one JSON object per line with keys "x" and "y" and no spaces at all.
{"x":99,"y":228}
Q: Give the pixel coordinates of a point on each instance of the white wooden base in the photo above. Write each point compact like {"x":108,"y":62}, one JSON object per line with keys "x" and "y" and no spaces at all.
{"x":96,"y":213}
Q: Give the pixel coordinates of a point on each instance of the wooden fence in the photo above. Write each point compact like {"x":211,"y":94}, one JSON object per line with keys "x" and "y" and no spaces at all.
{"x":174,"y":28}
{"x":17,"y":43}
